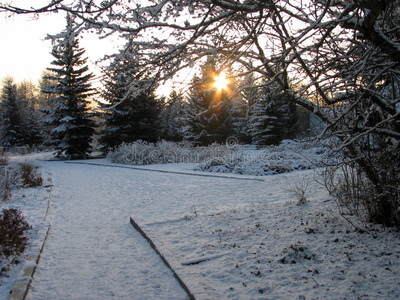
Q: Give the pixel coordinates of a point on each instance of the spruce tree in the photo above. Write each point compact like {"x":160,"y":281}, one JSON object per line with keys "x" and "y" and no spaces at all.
{"x":209,"y":114}
{"x":69,"y":114}
{"x":273,"y":117}
{"x":12,"y":129}
{"x":131,"y":110}
{"x":264,"y":121}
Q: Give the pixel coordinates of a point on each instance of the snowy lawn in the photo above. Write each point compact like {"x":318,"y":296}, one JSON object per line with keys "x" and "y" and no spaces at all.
{"x":226,"y":235}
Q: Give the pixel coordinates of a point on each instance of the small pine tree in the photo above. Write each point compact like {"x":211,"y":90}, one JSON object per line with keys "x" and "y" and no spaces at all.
{"x":12,"y":121}
{"x":70,"y":119}
{"x":131,"y":111}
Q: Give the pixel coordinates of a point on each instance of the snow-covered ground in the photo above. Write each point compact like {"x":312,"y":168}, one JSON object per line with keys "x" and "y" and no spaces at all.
{"x":227,"y":236}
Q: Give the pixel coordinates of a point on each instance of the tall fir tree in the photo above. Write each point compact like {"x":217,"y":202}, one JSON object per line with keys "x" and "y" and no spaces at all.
{"x":12,"y":129}
{"x":209,"y":112}
{"x":69,"y":112}
{"x":131,"y":110}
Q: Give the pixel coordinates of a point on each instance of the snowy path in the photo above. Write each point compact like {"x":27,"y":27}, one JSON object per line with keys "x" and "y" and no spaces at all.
{"x":94,"y":253}
{"x":226,"y":237}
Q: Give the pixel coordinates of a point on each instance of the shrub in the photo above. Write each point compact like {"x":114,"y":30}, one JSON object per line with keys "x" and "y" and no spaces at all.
{"x":12,"y":232}
{"x":286,"y":157}
{"x":357,"y":195}
{"x":270,"y":160}
{"x":144,"y":153}
{"x":9,"y":178}
{"x":5,"y":184}
{"x":30,"y":175}
{"x":3,"y":157}
{"x":25,"y":174}
{"x":299,"y":190}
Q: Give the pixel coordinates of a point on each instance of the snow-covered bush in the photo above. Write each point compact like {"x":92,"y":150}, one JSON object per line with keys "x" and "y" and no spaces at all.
{"x":13,"y":175}
{"x":260,"y":164}
{"x":356,"y":195}
{"x":9,"y":178}
{"x":30,"y":175}
{"x":5,"y":184}
{"x":144,"y":153}
{"x":215,"y":151}
{"x":12,"y":232}
{"x":368,"y":185}
{"x":3,"y":157}
{"x":286,"y":157}
{"x":299,"y":190}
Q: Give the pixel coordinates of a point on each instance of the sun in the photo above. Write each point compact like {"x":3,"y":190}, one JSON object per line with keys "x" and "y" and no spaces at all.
{"x":221,"y":82}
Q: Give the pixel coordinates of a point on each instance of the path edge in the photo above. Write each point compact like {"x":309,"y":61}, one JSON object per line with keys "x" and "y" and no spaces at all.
{"x":182,"y":284}
{"x":25,"y":276}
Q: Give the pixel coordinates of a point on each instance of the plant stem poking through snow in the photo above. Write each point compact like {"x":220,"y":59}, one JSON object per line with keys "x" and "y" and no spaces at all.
{"x":299,"y":190}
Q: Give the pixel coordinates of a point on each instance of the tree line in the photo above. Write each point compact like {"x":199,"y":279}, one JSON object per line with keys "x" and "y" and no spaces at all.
{"x":61,"y":114}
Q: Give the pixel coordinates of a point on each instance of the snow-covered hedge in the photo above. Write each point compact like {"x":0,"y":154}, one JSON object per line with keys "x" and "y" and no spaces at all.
{"x":144,"y":153}
{"x":286,"y":157}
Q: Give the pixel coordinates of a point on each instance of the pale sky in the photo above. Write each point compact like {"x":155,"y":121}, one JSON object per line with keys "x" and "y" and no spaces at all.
{"x":24,"y":52}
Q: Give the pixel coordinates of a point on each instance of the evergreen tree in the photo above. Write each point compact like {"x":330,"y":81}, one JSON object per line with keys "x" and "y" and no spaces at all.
{"x":28,"y":96}
{"x":209,"y":114}
{"x":172,"y":118}
{"x":19,"y":116}
{"x":131,"y":111}
{"x":69,"y":115}
{"x":47,"y":79}
{"x":289,"y":114}
{"x":263,"y":121}
{"x":249,"y":95}
{"x":239,"y":120}
{"x":273,"y":117}
{"x":12,"y":129}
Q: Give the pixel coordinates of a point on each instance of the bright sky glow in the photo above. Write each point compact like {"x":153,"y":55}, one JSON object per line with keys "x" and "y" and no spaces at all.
{"x":25,"y":53}
{"x":221,"y":82}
